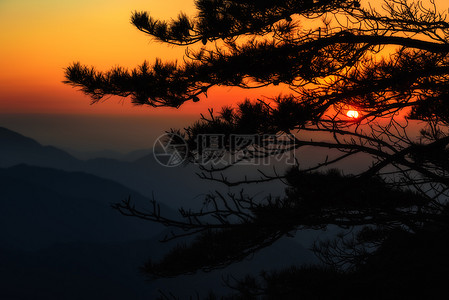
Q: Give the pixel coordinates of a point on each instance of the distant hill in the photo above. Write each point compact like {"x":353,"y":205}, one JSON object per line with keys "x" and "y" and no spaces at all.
{"x":173,"y":186}
{"x":41,"y":207}
{"x":16,"y":148}
{"x":60,"y":239}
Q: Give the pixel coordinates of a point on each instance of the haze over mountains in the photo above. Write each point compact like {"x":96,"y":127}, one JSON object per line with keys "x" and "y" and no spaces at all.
{"x":144,"y":175}
{"x":111,"y":154}
{"x":60,"y":238}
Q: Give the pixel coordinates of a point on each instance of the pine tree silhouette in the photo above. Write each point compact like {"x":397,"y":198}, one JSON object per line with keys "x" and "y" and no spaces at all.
{"x":331,"y":56}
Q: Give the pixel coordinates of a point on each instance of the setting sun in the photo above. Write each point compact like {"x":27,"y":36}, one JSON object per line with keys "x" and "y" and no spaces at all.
{"x":352,"y":114}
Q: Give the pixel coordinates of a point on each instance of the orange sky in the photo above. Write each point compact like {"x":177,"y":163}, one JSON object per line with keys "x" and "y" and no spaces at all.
{"x":43,"y":37}
{"x":39,"y":38}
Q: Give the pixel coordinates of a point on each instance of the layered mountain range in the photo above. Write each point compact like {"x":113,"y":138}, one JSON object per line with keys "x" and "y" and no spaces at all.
{"x":61,"y":239}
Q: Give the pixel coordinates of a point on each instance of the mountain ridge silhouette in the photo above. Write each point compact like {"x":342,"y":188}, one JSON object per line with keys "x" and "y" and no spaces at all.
{"x":60,"y":238}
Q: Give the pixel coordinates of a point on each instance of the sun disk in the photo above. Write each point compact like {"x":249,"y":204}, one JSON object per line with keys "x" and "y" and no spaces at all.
{"x":352,"y":114}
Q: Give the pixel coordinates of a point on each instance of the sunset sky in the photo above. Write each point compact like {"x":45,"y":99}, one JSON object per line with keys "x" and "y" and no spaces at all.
{"x":40,"y":38}
{"x":43,"y":37}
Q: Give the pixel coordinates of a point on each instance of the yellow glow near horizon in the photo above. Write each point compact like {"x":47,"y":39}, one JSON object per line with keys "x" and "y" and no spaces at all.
{"x":39,"y":38}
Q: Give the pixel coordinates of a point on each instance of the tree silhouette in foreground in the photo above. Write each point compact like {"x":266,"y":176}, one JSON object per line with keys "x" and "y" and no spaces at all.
{"x":391,"y":64}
